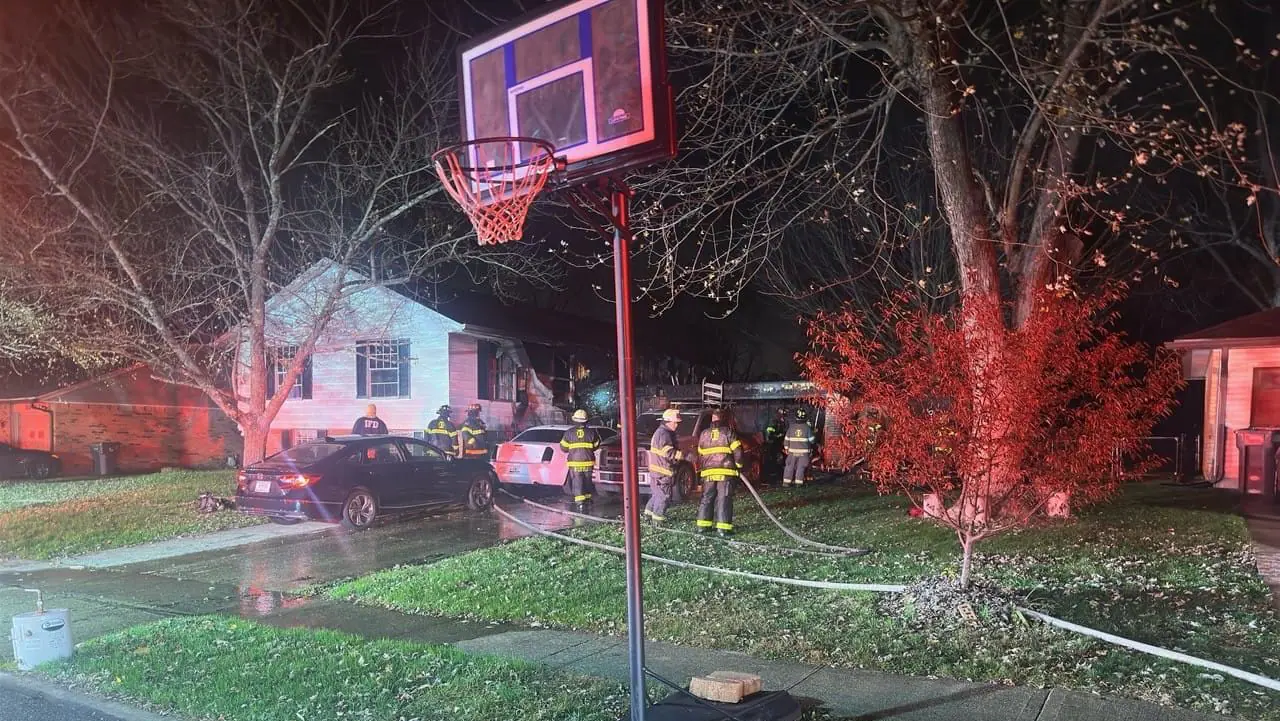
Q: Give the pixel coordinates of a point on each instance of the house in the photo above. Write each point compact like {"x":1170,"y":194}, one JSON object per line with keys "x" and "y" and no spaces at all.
{"x":1239,"y":362}
{"x":156,"y":423}
{"x":389,"y":346}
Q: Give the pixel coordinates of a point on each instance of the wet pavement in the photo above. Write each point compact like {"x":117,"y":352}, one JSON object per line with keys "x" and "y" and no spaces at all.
{"x":265,"y":580}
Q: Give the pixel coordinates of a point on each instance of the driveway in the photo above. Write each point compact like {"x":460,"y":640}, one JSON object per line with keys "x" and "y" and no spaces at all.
{"x":262,"y":580}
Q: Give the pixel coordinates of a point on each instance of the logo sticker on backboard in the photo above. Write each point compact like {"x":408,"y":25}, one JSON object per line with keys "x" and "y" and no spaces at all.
{"x":619,"y":116}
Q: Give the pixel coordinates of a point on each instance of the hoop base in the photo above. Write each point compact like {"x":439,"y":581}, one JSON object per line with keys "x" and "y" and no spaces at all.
{"x":495,"y":181}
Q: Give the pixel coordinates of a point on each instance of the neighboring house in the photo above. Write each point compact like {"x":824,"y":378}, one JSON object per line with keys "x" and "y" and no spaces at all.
{"x":1239,"y":361}
{"x":384,"y":346}
{"x":156,"y":423}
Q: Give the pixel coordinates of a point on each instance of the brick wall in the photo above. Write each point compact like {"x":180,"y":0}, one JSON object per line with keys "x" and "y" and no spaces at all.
{"x":150,"y":437}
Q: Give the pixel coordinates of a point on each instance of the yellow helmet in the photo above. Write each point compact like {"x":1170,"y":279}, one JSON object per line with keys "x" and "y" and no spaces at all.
{"x":579,"y":416}
{"x":671,"y":415}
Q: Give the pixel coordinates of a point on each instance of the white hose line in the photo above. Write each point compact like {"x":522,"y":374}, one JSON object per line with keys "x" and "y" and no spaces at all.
{"x":618,"y":521}
{"x":824,"y":585}
{"x":795,"y":536}
{"x":1252,"y":678}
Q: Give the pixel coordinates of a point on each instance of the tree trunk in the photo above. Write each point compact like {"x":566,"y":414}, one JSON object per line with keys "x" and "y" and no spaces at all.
{"x":255,"y":441}
{"x":966,"y":562}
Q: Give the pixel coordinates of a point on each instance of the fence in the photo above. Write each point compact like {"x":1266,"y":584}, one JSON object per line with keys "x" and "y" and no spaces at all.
{"x":1175,"y":455}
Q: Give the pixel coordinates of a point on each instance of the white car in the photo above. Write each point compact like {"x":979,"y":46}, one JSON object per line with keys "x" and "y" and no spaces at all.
{"x":534,"y":457}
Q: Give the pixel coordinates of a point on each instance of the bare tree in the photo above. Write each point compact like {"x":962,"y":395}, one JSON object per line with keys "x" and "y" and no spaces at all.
{"x":1038,"y":123}
{"x":183,"y":161}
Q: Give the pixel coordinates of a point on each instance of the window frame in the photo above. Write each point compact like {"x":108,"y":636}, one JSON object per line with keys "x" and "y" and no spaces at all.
{"x":392,"y":356}
{"x":279,"y":358}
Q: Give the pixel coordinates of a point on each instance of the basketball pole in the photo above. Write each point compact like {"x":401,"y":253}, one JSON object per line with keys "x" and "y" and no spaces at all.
{"x":619,"y":201}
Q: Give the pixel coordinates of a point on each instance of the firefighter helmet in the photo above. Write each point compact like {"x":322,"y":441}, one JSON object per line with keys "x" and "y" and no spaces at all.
{"x":445,"y":411}
{"x":717,"y":416}
{"x":473,"y":409}
{"x":671,"y":415}
{"x":579,"y":416}
{"x":801,"y":414}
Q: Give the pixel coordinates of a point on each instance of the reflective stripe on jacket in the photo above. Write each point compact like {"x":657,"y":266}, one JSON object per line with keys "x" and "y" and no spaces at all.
{"x":472,"y":436}
{"x":580,"y":444}
{"x":799,"y":439}
{"x":443,"y":434}
{"x":663,"y":453}
{"x":720,"y":453}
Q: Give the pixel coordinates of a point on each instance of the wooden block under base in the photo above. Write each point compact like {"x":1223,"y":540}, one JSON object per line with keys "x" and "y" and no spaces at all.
{"x":725,"y":686}
{"x":751,"y":683}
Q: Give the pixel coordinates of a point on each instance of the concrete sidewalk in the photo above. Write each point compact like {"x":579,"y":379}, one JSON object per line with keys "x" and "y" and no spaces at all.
{"x":848,"y":693}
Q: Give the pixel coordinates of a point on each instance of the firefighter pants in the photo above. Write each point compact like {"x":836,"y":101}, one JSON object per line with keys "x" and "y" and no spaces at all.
{"x":796,"y":466}
{"x":717,"y":495}
{"x":578,"y":484}
{"x":660,"y":491}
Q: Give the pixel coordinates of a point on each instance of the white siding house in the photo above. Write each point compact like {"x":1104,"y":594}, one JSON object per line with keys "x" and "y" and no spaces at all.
{"x":382,"y":347}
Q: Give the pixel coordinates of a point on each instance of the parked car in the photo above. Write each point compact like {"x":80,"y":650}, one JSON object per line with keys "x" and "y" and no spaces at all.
{"x":355,"y":480}
{"x":24,"y":463}
{"x":608,"y":478}
{"x":534,"y":457}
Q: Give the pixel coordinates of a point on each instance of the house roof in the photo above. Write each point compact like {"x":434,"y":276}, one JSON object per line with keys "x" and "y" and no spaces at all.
{"x":1256,"y":329}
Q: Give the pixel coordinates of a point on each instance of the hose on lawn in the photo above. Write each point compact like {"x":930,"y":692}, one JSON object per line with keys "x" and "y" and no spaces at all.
{"x":796,"y":536}
{"x":664,"y":529}
{"x":1246,"y":676}
{"x":824,"y":585}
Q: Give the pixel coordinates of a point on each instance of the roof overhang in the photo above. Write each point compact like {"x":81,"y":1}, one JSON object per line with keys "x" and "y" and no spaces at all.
{"x":1222,"y":343}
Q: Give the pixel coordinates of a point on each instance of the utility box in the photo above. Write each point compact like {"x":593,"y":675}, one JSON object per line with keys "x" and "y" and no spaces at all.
{"x":104,"y":458}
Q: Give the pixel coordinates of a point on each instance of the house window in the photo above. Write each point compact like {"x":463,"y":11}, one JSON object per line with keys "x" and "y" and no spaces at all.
{"x":1266,"y":398}
{"x":382,"y":369}
{"x":279,"y":360}
{"x":505,"y":379}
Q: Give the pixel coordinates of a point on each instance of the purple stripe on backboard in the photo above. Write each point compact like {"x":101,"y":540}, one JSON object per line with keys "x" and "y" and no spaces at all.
{"x":509,"y":59}
{"x":584,"y":33}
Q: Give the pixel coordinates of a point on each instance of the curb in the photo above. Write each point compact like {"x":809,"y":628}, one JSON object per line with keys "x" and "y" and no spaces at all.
{"x":34,"y":687}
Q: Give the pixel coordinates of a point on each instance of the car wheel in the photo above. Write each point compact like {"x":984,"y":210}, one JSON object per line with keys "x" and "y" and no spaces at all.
{"x":40,"y":470}
{"x":285,"y":521}
{"x":480,"y":494}
{"x":686,"y":484}
{"x":359,"y":510}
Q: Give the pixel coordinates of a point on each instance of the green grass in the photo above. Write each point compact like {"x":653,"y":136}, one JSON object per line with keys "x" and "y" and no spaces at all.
{"x":222,"y":668}
{"x":1159,"y":565}
{"x":65,"y":518}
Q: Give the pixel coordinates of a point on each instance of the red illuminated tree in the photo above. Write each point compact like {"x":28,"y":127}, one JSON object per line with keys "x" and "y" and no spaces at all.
{"x":995,"y":422}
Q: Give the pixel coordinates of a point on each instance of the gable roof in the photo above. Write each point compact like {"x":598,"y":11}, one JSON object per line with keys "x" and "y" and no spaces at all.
{"x":1256,"y":329}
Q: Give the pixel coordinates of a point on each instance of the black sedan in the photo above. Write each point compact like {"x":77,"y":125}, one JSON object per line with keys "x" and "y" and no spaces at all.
{"x":355,"y":480}
{"x":24,"y":463}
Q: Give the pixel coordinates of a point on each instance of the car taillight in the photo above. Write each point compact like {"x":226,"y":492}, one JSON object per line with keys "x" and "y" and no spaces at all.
{"x":295,"y":482}
{"x":242,"y":480}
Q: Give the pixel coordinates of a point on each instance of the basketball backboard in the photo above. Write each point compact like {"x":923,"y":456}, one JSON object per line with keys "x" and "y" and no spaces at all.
{"x":587,"y":76}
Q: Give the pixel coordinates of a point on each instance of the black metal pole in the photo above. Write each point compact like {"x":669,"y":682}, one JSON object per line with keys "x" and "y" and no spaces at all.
{"x":618,"y":201}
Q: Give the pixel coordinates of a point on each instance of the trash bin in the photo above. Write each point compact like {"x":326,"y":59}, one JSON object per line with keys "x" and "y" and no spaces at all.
{"x":104,"y":458}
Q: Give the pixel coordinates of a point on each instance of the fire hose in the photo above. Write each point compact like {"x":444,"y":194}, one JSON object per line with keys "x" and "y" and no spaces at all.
{"x":736,"y":544}
{"x":1139,"y":646}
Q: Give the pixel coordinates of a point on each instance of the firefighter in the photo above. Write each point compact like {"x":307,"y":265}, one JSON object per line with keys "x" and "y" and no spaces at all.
{"x":473,"y":439}
{"x":720,"y":461}
{"x":369,"y":424}
{"x":799,"y":449}
{"x":580,"y":444}
{"x":441,"y":432}
{"x":773,"y":435}
{"x":663,"y":455}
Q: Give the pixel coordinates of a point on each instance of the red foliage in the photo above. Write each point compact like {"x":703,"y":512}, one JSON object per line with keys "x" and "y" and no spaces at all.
{"x":994,"y":420}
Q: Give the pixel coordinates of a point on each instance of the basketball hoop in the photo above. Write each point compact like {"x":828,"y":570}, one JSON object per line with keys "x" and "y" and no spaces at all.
{"x":495,"y":180}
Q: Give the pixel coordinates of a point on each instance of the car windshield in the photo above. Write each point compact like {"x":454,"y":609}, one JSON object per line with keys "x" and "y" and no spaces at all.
{"x":305,"y":454}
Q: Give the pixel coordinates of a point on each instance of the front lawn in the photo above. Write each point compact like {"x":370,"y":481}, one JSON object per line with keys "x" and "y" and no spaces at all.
{"x":65,"y":518}
{"x":222,"y":668}
{"x":1158,"y":565}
